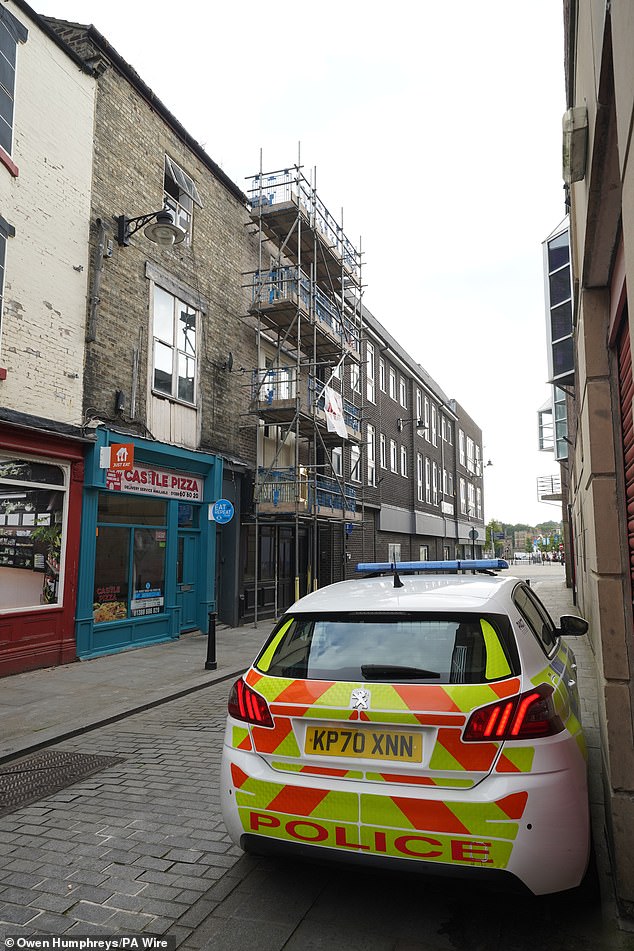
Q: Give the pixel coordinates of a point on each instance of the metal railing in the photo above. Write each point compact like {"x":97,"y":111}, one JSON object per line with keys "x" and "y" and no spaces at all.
{"x":285,"y":487}
{"x":289,"y":283}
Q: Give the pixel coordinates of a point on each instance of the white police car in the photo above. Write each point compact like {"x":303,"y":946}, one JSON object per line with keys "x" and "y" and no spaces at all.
{"x":424,"y":718}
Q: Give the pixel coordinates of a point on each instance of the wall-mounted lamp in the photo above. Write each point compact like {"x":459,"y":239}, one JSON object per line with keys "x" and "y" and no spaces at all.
{"x":228,"y":364}
{"x":419,"y":423}
{"x":160,"y":228}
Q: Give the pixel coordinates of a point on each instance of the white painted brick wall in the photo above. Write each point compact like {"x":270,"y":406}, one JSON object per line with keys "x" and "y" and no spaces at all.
{"x":48,"y":204}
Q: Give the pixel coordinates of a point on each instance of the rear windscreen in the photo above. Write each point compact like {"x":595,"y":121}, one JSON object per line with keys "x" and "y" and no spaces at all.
{"x":441,"y":649}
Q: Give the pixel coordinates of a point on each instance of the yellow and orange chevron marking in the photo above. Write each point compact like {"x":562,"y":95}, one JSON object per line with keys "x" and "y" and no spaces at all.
{"x":444,"y":708}
{"x":440,"y":831}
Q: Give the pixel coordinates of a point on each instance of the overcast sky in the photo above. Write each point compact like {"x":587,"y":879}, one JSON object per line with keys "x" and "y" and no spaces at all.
{"x":435,"y":130}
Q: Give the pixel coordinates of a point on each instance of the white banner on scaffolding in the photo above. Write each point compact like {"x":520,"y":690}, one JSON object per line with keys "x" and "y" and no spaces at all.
{"x":334,"y":412}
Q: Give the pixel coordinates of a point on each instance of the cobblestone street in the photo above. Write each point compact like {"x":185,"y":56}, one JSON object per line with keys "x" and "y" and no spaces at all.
{"x":134,"y":848}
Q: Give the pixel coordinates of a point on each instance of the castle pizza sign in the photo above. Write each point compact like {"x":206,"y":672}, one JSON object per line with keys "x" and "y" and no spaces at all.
{"x":147,"y":480}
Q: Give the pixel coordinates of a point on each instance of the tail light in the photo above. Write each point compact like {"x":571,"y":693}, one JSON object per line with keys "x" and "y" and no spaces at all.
{"x":245,"y":704}
{"x":524,"y":717}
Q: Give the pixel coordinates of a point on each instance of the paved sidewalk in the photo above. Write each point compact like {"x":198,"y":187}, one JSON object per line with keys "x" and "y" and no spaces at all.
{"x":41,"y":707}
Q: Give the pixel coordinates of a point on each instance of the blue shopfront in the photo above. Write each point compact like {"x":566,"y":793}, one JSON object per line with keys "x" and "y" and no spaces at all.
{"x":148,"y":544}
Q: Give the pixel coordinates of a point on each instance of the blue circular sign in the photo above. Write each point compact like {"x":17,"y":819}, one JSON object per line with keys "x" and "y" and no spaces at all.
{"x":222,"y":511}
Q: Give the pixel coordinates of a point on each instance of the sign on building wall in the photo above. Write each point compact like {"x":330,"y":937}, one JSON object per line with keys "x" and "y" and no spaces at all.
{"x":150,"y":481}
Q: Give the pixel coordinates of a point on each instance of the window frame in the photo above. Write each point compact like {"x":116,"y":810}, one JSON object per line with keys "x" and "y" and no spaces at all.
{"x":16,"y":33}
{"x":20,"y":528}
{"x":419,"y":477}
{"x":371,"y":460}
{"x":182,"y":207}
{"x":403,"y":455}
{"x":370,"y":383}
{"x":383,"y":451}
{"x":402,"y":391}
{"x":176,"y":351}
{"x":392,"y":383}
{"x":355,"y":464}
{"x":393,"y":456}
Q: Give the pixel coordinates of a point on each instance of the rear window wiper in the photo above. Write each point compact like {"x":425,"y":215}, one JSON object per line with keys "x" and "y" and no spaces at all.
{"x":394,"y":671}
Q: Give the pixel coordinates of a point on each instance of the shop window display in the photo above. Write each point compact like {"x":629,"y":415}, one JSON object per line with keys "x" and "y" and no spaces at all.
{"x":32,"y":507}
{"x":130,"y":557}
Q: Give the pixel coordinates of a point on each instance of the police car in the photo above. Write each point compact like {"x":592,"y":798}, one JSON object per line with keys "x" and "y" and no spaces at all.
{"x":425,"y":717}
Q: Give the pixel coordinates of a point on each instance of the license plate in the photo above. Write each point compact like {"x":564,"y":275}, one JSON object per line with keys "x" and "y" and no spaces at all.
{"x":364,"y":744}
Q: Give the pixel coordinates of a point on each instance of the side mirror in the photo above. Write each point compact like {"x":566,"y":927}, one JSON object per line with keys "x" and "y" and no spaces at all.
{"x":572,"y":626}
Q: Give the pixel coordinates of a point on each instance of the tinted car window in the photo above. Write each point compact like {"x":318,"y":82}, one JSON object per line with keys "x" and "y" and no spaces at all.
{"x":411,"y":648}
{"x":536,"y":616}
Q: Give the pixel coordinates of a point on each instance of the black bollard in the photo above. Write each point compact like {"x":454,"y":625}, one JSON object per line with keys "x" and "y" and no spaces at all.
{"x":210,"y":663}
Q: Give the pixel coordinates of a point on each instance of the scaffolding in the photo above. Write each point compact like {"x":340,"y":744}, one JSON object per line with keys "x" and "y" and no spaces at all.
{"x":305,"y":394}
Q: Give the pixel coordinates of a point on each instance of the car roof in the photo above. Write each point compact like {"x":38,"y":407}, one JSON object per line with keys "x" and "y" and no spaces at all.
{"x":430,"y":592}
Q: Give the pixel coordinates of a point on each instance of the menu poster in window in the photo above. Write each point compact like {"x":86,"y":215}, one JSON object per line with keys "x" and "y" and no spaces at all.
{"x":107,"y":605}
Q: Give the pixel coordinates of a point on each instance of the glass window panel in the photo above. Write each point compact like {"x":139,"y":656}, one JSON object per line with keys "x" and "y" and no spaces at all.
{"x":163,"y":315}
{"x":186,"y":371}
{"x":7,"y":75}
{"x":30,"y":546}
{"x":121,"y":508}
{"x":563,"y":356}
{"x":187,"y":330}
{"x":536,"y":617}
{"x":148,"y":595}
{"x":110,"y":598}
{"x":7,"y":44}
{"x":558,"y":252}
{"x":6,"y":123}
{"x":429,"y":648}
{"x":187,"y":515}
{"x":559,"y":286}
{"x":21,"y":470}
{"x":561,"y":321}
{"x":162,"y":368}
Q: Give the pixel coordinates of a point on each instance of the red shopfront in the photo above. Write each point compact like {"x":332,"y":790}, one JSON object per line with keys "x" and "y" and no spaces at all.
{"x":41,"y":482}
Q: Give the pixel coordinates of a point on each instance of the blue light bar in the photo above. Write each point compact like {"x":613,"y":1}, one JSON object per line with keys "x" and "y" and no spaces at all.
{"x":466,"y":564}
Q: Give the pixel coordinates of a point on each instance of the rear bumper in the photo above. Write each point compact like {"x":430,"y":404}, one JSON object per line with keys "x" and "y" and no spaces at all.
{"x":534,"y":826}
{"x":498,"y":878}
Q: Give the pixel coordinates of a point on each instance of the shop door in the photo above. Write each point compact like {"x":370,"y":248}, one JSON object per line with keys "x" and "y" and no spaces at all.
{"x":186,"y":579}
{"x":286,"y":568}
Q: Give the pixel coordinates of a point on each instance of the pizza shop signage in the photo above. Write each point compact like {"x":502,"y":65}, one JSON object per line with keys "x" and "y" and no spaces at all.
{"x":149,"y":481}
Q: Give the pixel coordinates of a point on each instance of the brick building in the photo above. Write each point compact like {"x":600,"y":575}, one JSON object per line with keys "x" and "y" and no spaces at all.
{"x":164,"y":341}
{"x":423,"y":495}
{"x":45,"y":170}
